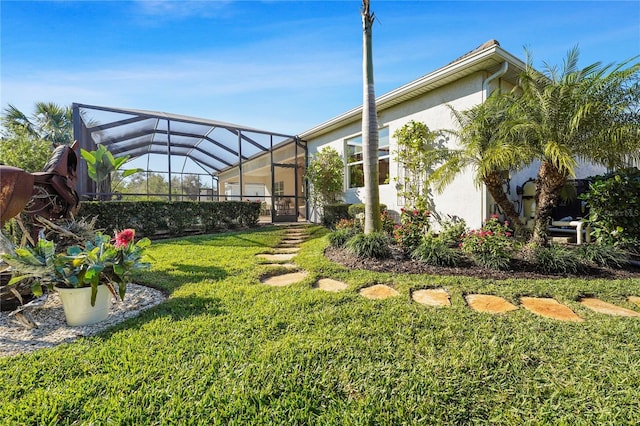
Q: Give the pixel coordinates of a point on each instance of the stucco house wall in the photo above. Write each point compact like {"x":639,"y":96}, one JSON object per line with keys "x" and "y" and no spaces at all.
{"x":462,"y":198}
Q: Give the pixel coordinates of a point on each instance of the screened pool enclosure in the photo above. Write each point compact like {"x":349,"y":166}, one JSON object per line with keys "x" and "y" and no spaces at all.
{"x":188,"y":158}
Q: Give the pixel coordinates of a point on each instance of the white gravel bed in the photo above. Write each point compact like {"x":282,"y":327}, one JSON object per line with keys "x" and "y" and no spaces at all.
{"x":52,"y":327}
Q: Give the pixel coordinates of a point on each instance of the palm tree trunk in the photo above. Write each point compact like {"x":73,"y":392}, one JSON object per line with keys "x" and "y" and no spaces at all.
{"x":372,"y":221}
{"x":493,"y":182}
{"x":548,"y":185}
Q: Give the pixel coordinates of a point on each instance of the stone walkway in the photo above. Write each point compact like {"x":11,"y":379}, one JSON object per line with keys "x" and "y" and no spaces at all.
{"x":546,"y":307}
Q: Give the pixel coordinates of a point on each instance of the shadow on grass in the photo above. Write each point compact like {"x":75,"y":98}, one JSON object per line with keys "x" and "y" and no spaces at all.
{"x":222,"y":239}
{"x":180,"y":308}
{"x":177,"y":309}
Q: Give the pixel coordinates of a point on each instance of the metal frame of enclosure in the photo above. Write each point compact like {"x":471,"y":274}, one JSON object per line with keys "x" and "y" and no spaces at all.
{"x":235,"y":157}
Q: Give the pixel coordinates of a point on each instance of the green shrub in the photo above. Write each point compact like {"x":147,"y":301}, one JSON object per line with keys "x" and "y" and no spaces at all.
{"x":339,"y":237}
{"x":356,"y":209}
{"x":372,"y":245}
{"x":175,"y":218}
{"x":332,"y":213}
{"x":490,"y":246}
{"x":556,"y":259}
{"x":603,"y":255}
{"x":437,"y":251}
{"x":452,"y":231}
{"x":614,"y":207}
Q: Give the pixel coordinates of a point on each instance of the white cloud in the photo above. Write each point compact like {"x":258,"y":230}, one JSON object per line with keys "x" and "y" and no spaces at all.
{"x":175,"y":9}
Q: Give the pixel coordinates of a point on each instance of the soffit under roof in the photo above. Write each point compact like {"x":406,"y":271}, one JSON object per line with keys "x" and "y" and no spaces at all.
{"x":213,"y":145}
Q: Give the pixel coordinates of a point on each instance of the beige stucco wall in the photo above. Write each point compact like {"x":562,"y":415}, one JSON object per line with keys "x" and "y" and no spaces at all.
{"x":462,"y":198}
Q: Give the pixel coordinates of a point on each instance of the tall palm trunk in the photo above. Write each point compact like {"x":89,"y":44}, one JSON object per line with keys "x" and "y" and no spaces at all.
{"x":548,"y":185}
{"x":372,"y":220}
{"x":493,"y":182}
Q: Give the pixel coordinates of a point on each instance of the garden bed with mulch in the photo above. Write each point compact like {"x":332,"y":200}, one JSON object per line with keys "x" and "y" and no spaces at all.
{"x":397,"y":263}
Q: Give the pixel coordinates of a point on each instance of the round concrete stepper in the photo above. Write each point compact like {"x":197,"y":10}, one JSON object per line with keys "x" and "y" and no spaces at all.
{"x":285,"y":279}
{"x":328,"y":284}
{"x":378,"y":291}
{"x":431,"y":297}
{"x":607,"y":308}
{"x":276,"y":257}
{"x":634,"y":299}
{"x":549,"y":308}
{"x":488,"y":303}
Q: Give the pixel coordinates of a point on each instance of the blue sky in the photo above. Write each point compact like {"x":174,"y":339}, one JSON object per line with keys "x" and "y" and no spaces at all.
{"x":283,"y":66}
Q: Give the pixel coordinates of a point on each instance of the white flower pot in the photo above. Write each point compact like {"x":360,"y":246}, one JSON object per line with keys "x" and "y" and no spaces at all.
{"x":77,"y":305}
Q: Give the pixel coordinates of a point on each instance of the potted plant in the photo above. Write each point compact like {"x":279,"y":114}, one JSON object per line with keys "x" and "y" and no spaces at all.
{"x":84,"y":275}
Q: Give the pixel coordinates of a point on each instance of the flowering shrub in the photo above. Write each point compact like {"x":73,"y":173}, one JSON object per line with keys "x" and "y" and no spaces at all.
{"x":345,"y":229}
{"x":414,"y":224}
{"x":490,"y":246}
{"x":388,"y":224}
{"x":347,"y":224}
{"x":101,"y":260}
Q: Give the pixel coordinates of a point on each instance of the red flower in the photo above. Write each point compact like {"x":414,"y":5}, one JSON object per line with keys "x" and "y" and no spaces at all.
{"x":124,"y":237}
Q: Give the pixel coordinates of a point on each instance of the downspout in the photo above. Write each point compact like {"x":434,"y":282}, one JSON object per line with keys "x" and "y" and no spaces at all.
{"x":485,"y":94}
{"x":485,"y":86}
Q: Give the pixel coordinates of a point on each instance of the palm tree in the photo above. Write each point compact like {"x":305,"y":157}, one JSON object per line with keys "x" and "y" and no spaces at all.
{"x":572,"y":115}
{"x":372,"y":220}
{"x":49,"y":122}
{"x":484,"y":147}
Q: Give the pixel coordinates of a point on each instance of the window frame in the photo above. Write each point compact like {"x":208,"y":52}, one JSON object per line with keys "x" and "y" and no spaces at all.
{"x":356,"y":141}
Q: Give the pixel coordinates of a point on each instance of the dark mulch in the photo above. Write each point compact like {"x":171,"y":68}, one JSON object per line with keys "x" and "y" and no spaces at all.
{"x":397,"y":263}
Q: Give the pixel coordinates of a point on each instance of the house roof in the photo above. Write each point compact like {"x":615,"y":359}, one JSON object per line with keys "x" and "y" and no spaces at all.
{"x":488,"y":57}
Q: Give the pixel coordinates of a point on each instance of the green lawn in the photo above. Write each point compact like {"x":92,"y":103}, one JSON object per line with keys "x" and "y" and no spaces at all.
{"x":225,"y":349}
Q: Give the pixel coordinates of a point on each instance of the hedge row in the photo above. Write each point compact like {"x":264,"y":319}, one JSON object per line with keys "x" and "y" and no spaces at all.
{"x":175,"y":218}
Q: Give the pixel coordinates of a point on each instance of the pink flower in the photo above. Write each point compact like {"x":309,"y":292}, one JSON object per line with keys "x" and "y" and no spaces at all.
{"x":124,"y":237}
{"x":506,"y":223}
{"x":508,"y":234}
{"x":494,"y":216}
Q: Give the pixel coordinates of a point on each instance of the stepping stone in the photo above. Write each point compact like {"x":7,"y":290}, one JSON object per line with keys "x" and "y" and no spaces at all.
{"x":285,"y":279}
{"x":327,"y":284}
{"x":549,"y":308}
{"x":378,"y":291}
{"x":291,"y":243}
{"x":488,"y":303}
{"x":607,"y":308}
{"x":292,"y":240}
{"x":276,"y":257}
{"x":288,"y":250}
{"x":432,"y":297}
{"x":282,"y":265}
{"x":295,"y":237}
{"x":634,"y":299}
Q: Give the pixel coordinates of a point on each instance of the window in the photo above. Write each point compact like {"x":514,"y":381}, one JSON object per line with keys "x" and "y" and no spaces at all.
{"x":355,"y":160}
{"x":278,"y":188}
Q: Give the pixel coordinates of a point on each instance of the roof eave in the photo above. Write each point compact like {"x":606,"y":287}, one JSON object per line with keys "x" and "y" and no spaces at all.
{"x":467,"y":65}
